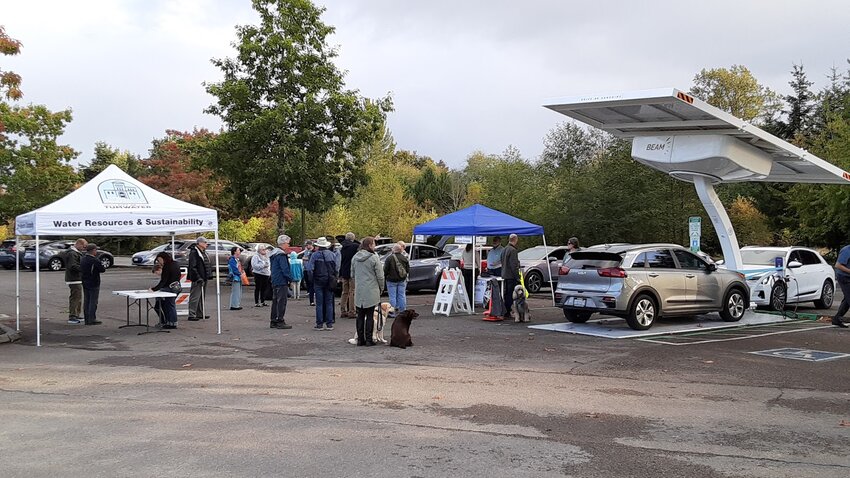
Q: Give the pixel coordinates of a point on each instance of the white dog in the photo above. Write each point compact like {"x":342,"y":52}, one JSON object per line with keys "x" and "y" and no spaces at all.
{"x":523,"y":314}
{"x":379,"y":320}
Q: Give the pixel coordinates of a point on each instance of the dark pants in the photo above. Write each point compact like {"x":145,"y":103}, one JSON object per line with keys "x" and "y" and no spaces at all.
{"x":311,"y":292}
{"x":845,"y":301}
{"x":365,"y":324}
{"x":90,"y":296}
{"x":75,"y":301}
{"x":157,"y":307}
{"x":169,"y":310}
{"x":495,"y":271}
{"x":324,"y":307}
{"x":467,"y":280}
{"x":510,"y":284}
{"x":279,"y":303}
{"x":262,"y":285}
{"x":197,"y":297}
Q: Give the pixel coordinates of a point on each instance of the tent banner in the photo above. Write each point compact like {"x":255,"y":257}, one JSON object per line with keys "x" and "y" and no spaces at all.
{"x":120,"y":224}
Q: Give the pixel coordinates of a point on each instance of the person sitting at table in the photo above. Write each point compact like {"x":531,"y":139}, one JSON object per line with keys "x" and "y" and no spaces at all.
{"x":168,"y":282}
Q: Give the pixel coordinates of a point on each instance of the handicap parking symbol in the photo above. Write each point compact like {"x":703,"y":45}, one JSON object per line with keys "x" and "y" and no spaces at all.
{"x":806,"y":355}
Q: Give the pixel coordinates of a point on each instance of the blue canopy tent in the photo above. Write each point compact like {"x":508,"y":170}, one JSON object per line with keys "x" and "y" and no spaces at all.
{"x":480,"y":221}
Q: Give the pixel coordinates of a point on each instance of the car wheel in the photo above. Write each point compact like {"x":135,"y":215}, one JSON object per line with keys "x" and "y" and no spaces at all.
{"x":106,"y":261}
{"x":55,"y":264}
{"x":577,"y":317}
{"x":642,"y":313}
{"x":734,"y":306}
{"x":534,"y":282}
{"x":778,"y":296}
{"x":826,"y":295}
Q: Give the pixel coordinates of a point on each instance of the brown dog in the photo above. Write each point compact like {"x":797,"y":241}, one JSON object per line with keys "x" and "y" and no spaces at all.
{"x":400,"y":333}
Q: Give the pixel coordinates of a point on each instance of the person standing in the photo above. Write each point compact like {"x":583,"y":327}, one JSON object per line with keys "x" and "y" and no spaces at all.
{"x":469,"y":265}
{"x":396,"y":270}
{"x":369,"y":276}
{"x":349,"y":249}
{"x":234,"y":266}
{"x":169,"y":281}
{"x":842,"y":275}
{"x":74,"y":279}
{"x":510,"y":273}
{"x":308,"y":272}
{"x":296,"y":274}
{"x":198,"y":274}
{"x":280,"y":283}
{"x":323,"y":266}
{"x":494,"y":257}
{"x":90,"y":270}
{"x":261,"y":267}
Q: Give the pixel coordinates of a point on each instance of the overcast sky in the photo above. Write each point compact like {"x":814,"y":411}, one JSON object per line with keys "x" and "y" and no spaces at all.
{"x":464,"y":75}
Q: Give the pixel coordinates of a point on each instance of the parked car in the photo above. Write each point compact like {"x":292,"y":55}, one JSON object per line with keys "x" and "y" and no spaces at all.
{"x":220,"y":249}
{"x":534,"y":261}
{"x":457,"y":255}
{"x":426,"y":264}
{"x":642,"y":282}
{"x":7,"y":252}
{"x":146,"y":258}
{"x":50,"y":256}
{"x":802,"y":276}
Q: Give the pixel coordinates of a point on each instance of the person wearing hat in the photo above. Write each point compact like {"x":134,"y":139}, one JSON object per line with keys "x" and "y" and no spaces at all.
{"x":322,"y":265}
{"x":280,"y":283}
{"x":198,"y":274}
{"x":234,"y":266}
{"x":90,"y":270}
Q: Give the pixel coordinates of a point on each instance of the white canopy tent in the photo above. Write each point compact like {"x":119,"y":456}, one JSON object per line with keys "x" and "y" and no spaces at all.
{"x":112,"y":204}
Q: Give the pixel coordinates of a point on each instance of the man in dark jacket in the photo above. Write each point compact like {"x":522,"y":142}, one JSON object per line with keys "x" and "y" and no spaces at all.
{"x":510,"y":273}
{"x":72,"y":258}
{"x":90,"y":269}
{"x":198,"y":274}
{"x":346,"y":303}
{"x":281,"y":276}
{"x":396,"y":270}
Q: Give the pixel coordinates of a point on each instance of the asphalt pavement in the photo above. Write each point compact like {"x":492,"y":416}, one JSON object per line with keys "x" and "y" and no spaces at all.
{"x":471,"y":398}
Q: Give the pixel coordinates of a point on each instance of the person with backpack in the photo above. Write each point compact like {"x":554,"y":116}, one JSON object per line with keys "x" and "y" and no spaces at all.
{"x":323,"y":266}
{"x":396,"y":269}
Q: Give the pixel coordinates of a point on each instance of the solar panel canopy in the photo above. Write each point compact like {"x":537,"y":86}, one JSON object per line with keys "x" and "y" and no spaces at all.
{"x":685,"y":136}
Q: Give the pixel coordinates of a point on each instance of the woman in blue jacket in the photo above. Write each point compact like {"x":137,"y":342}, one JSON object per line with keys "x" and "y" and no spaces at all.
{"x":234,"y":266}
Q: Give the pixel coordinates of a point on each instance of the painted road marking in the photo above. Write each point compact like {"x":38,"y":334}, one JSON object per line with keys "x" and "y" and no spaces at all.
{"x":806,"y":355}
{"x":741,"y":333}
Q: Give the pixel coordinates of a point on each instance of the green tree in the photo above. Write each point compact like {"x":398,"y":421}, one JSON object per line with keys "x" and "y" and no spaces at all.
{"x":10,"y":82}
{"x":105,"y":155}
{"x":799,"y":110}
{"x":293,"y":133}
{"x":736,"y":91}
{"x":751,"y":225}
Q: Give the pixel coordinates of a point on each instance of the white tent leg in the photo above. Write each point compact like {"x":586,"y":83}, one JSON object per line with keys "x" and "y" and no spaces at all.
{"x":17,"y":283}
{"x":217,"y":286}
{"x":37,"y":294}
{"x":720,"y":220}
{"x":172,"y":246}
{"x":549,"y":268}
{"x":473,"y":275}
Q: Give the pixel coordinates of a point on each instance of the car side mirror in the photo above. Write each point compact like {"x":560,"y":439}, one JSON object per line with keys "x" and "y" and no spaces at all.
{"x":794,"y":264}
{"x":712,"y":267}
{"x":553,"y":259}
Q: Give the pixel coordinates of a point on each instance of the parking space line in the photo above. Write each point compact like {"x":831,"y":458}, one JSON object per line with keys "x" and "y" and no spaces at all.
{"x":659,"y":340}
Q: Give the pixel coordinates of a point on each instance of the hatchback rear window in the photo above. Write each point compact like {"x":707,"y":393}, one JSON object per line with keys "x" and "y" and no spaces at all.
{"x":593,"y":260}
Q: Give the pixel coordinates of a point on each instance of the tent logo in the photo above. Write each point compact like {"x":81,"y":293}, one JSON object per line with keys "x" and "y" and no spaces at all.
{"x":117,"y":191}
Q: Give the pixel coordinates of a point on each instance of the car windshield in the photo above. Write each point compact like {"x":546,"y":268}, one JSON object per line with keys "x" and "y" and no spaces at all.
{"x":533,"y":254}
{"x":760,"y":257}
{"x":593,"y":260}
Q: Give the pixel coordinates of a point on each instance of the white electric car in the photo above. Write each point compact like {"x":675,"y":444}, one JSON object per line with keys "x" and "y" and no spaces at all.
{"x":787,"y":275}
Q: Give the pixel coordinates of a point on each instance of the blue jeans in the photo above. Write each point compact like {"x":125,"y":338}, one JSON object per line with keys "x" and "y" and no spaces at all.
{"x":398,"y":295}
{"x":324,"y":306}
{"x":169,"y":310}
{"x":236,"y":294}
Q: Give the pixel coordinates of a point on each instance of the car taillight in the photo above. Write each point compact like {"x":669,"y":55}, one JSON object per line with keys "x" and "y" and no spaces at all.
{"x":563,"y":270}
{"x":612,"y":272}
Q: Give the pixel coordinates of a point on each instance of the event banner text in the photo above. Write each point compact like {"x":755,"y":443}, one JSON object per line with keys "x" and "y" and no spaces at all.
{"x":128,"y":222}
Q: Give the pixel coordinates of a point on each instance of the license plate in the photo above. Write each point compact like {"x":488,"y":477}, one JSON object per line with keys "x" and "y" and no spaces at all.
{"x":578,"y":302}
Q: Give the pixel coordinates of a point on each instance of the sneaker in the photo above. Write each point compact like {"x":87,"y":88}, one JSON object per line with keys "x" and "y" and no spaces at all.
{"x":318,"y":327}
{"x":94,"y":322}
{"x":329,"y":327}
{"x":193,"y":319}
{"x":169,"y":326}
{"x":236,"y":308}
{"x":257,"y":305}
{"x":835,"y":322}
{"x":312,"y":304}
{"x":264,"y":305}
{"x":75,"y":321}
{"x":281,"y":325}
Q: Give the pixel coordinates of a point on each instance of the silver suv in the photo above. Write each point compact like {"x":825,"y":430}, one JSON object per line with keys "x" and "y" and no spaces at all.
{"x":641,"y":282}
